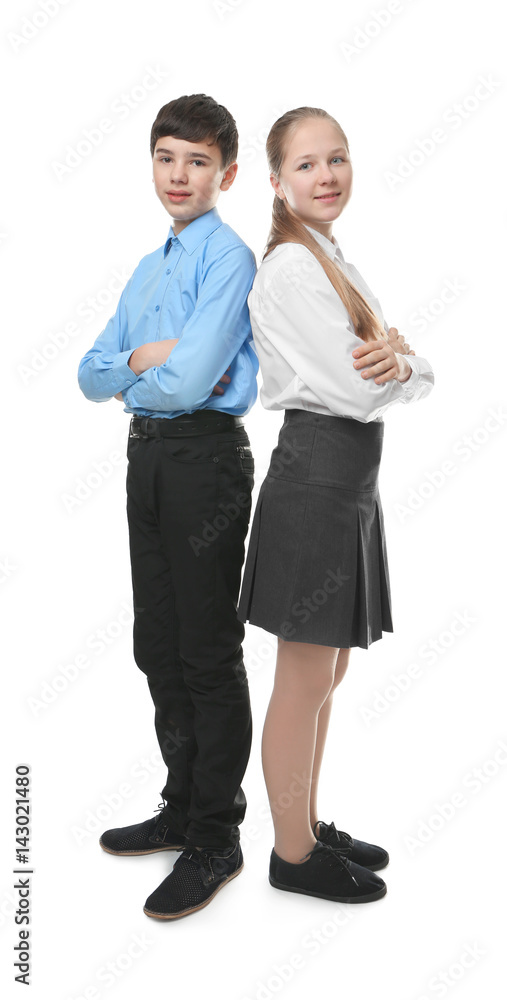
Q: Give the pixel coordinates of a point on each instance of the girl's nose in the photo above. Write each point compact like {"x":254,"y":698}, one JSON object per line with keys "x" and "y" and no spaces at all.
{"x":325,"y":175}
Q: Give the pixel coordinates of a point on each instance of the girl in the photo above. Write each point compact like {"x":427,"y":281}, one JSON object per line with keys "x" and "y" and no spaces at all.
{"x":316,"y":572}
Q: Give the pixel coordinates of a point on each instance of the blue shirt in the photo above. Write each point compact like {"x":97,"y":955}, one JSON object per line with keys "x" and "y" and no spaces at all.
{"x":195,"y":288}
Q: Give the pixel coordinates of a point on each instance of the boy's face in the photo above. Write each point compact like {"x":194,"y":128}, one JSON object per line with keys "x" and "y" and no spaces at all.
{"x":188,"y":178}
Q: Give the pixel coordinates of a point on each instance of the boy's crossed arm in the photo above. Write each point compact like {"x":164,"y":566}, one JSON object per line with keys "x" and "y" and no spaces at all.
{"x":212,"y":340}
{"x":156,"y":353}
{"x":152,"y":354}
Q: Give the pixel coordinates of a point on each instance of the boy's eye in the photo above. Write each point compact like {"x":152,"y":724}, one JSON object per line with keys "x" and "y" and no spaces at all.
{"x":167,"y":159}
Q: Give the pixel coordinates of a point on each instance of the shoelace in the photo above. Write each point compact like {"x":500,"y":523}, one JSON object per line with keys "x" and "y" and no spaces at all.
{"x":160,"y":827}
{"x":345,"y":845}
{"x":332,"y":857}
{"x":201,"y":859}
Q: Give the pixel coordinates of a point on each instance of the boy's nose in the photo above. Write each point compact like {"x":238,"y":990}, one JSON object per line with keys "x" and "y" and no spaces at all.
{"x":179,"y":173}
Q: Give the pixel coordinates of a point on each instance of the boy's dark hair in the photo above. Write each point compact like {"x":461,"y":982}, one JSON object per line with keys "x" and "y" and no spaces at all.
{"x":196,"y":118}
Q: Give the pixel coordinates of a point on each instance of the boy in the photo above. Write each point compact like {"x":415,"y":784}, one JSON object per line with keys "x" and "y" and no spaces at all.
{"x":182,"y":322}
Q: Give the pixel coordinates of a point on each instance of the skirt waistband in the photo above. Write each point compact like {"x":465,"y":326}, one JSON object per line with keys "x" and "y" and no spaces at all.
{"x":329,"y":451}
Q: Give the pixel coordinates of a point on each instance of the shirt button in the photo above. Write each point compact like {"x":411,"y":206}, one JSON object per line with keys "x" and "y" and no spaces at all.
{"x":168,"y":270}
{"x":157,"y":308}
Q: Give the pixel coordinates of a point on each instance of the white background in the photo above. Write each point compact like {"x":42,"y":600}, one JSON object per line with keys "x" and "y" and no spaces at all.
{"x":396,"y":760}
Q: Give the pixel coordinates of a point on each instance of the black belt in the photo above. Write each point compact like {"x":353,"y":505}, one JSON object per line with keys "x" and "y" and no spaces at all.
{"x":188,"y":424}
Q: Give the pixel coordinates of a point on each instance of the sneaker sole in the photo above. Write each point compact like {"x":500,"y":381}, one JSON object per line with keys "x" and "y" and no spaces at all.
{"x":335,"y":899}
{"x":183,"y":913}
{"x":133,"y":854}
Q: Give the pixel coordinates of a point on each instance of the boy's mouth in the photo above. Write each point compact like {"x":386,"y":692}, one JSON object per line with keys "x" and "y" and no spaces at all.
{"x":178,"y":195}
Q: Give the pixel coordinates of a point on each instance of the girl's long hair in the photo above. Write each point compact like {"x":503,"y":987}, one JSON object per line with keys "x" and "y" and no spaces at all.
{"x":286,"y":227}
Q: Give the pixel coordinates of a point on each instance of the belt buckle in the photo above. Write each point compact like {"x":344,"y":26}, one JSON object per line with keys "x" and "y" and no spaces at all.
{"x":142,"y":432}
{"x":133,"y":433}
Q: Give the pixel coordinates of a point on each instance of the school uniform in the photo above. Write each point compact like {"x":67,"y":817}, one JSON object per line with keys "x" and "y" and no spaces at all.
{"x":189,"y":482}
{"x":316,"y":569}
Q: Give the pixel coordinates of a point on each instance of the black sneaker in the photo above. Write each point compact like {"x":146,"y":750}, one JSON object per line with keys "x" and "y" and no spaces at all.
{"x":194,"y":881}
{"x":142,"y":838}
{"x":367,"y":855}
{"x":326,"y":874}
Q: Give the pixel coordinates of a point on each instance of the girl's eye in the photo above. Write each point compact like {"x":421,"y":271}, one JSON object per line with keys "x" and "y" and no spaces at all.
{"x":304,"y":165}
{"x":339,"y":158}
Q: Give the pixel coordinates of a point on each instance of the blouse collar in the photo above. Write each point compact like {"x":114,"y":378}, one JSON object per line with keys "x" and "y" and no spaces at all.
{"x":329,"y":246}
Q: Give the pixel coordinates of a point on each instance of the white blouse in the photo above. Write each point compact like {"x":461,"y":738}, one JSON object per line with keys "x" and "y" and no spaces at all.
{"x":304,"y":339}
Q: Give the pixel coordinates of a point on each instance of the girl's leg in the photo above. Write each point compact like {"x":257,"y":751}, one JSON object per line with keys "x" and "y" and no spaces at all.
{"x":342,"y":662}
{"x":303,"y":680}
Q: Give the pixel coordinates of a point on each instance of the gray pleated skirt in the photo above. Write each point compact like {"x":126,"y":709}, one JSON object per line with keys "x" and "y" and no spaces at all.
{"x":316,"y":568}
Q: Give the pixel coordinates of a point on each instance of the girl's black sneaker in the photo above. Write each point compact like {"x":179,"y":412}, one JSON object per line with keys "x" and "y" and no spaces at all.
{"x":364,"y":854}
{"x":328,"y":874}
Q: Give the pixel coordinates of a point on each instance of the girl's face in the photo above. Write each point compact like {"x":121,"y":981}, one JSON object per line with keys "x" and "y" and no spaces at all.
{"x":316,"y":174}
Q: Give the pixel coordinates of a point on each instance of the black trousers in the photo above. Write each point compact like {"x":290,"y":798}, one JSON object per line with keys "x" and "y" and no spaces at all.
{"x":188,"y":507}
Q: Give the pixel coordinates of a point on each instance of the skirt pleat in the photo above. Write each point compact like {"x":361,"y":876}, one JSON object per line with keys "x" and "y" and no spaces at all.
{"x":316,"y":569}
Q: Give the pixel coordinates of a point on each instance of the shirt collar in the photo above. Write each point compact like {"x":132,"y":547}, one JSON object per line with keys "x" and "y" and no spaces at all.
{"x":329,"y":246}
{"x":196,"y":232}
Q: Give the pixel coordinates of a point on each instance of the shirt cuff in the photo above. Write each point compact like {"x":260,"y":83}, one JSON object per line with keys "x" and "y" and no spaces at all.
{"x":418,"y":366}
{"x":121,"y":370}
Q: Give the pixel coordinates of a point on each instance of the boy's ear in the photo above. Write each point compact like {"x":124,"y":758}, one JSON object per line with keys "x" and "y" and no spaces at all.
{"x":228,"y":177}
